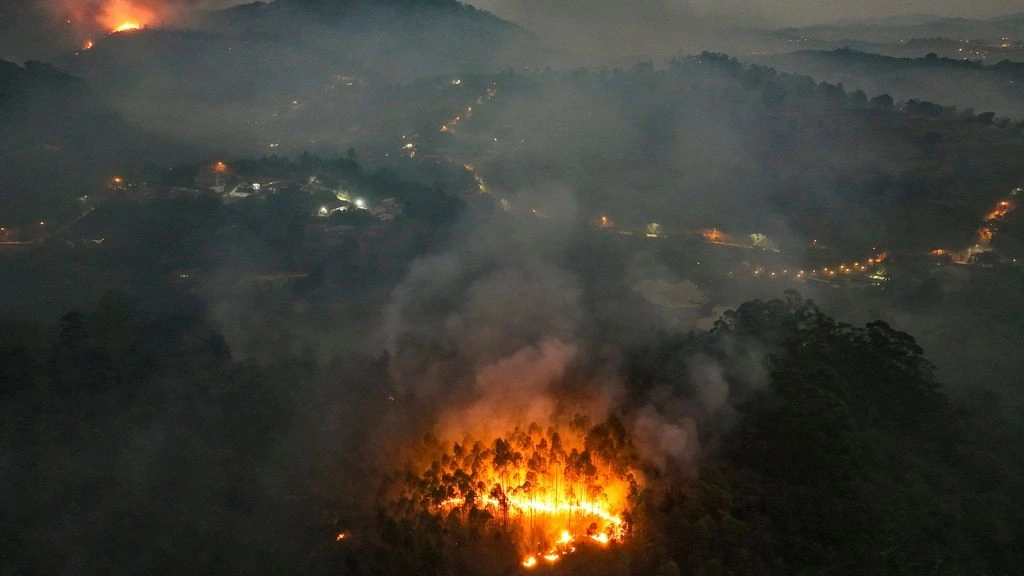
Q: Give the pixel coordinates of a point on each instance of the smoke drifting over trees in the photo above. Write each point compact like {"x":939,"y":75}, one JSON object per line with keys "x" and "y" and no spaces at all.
{"x":398,"y":287}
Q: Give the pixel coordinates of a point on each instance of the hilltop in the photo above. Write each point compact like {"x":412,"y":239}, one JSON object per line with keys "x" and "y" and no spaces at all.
{"x":230,"y":77}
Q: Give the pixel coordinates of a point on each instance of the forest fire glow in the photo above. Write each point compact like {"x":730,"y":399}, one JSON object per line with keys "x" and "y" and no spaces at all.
{"x":713,"y":235}
{"x":127,"y":26}
{"x":540,"y":508}
{"x":125,"y":15}
{"x":547,"y":492}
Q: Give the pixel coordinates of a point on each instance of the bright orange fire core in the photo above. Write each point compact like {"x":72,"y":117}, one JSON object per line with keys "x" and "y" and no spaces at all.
{"x":127,"y":26}
{"x":124,"y":15}
{"x":550,"y":493}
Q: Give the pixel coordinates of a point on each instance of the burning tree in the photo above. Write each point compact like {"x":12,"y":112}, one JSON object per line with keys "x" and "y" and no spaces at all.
{"x":545,"y":491}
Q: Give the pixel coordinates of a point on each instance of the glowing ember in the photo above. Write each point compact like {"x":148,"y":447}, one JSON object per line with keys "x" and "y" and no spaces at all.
{"x":341,"y":536}
{"x":530,"y":562}
{"x":87,"y":45}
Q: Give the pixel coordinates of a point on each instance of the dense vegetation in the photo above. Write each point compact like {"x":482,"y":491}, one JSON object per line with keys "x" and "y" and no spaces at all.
{"x":850,"y":460}
{"x":137,"y":443}
{"x":994,"y":87}
{"x":710,"y":141}
{"x":192,"y":378}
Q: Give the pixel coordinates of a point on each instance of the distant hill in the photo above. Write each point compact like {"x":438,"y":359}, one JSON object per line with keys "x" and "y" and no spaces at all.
{"x":304,"y":41}
{"x":393,"y":40}
{"x":902,"y":20}
{"x":709,"y":142}
{"x":882,"y":31}
{"x":57,"y":139}
{"x":236,"y":78}
{"x":997,"y":87}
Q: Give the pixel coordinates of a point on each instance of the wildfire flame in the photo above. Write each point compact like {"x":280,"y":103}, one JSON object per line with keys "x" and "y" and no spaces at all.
{"x":127,"y":26}
{"x":547,"y":492}
{"x":548,"y":508}
{"x":715,"y":236}
{"x":124,"y":15}
{"x":988,"y":229}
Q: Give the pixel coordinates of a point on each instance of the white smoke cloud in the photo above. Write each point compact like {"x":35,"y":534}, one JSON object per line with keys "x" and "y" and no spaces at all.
{"x":707,"y":378}
{"x":660,"y":439}
{"x":512,"y":391}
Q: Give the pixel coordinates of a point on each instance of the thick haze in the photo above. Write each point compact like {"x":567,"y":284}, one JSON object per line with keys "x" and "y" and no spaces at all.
{"x":744,"y":12}
{"x":254,"y":259}
{"x":658,"y":27}
{"x":42,"y":28}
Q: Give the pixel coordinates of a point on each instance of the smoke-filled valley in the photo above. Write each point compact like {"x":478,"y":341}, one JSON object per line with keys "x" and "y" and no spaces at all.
{"x":395,"y":287}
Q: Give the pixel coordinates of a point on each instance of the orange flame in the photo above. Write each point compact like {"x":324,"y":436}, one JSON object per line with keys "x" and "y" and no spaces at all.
{"x":714,"y":235}
{"x":124,"y":15}
{"x":549,"y":489}
{"x":127,"y":26}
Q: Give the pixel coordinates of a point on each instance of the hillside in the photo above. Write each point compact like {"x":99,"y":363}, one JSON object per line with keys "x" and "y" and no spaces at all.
{"x":57,"y":138}
{"x":882,"y":31}
{"x":236,"y":78}
{"x":713,"y":142}
{"x":997,"y":87}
